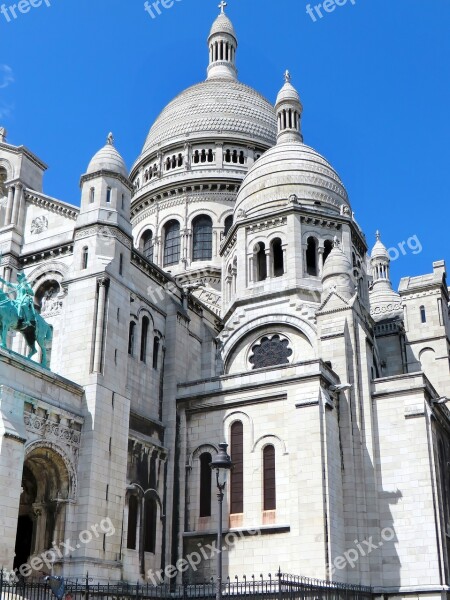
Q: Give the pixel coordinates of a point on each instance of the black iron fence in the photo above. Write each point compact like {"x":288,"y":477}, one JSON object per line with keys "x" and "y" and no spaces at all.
{"x":278,"y":587}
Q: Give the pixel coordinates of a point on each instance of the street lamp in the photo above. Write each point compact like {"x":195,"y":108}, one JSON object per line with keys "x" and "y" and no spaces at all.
{"x":222,"y":464}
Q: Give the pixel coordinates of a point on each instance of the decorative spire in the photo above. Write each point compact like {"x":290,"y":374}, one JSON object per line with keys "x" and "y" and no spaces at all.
{"x":222,"y":44}
{"x":110,"y":139}
{"x":3,"y":134}
{"x":380,"y":261}
{"x":289,"y":111}
{"x":378,"y":234}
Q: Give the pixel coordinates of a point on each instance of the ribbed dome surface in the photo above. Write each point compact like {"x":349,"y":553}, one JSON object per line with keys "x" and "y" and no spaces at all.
{"x":212,"y":107}
{"x":379,"y":250}
{"x":288,"y":93}
{"x":222,"y":25}
{"x":108,"y":159}
{"x":285,"y":170}
{"x":336,"y":264}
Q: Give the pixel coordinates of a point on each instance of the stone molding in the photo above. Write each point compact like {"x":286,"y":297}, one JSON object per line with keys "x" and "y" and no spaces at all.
{"x":52,"y":205}
{"x":106,"y":231}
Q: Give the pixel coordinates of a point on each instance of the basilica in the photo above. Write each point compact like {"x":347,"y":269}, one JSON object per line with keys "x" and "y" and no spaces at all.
{"x":219,"y":291}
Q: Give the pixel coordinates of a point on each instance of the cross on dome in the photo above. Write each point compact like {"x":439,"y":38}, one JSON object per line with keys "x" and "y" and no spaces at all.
{"x":110,"y":139}
{"x":222,"y":6}
{"x":287,"y":77}
{"x":378,"y":234}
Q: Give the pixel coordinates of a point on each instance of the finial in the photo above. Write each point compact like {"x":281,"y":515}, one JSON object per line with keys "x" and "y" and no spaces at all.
{"x":336,"y":242}
{"x":3,"y":134}
{"x":222,"y":7}
{"x":287,"y":77}
{"x":110,"y":139}
{"x":378,"y":234}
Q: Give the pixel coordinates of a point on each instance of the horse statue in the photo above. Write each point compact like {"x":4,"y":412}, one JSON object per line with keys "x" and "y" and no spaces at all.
{"x":23,"y":318}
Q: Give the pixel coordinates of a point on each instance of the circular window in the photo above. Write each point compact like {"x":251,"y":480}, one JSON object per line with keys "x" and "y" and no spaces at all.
{"x":270,"y":351}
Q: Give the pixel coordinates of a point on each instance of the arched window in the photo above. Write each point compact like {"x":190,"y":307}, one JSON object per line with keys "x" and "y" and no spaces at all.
{"x":155,"y":352}
{"x":269,"y":483}
{"x":144,"y":338}
{"x":150,"y":514}
{"x":147,"y":245}
{"x":241,"y":157}
{"x":196,"y":157}
{"x":261,"y":262}
{"x":210,"y":156}
{"x":277,"y":258}
{"x":171,"y":243}
{"x":108,"y":196}
{"x":423,"y":314}
{"x":132,"y":522}
{"x":328,"y":247}
{"x":311,"y":256}
{"x":237,"y":473}
{"x":228,"y":224}
{"x":85,"y":258}
{"x":205,"y":484}
{"x":91,"y":195}
{"x":180,"y":160}
{"x":131,"y":338}
{"x":202,"y":238}
{"x":234,"y":157}
{"x":228,"y":156}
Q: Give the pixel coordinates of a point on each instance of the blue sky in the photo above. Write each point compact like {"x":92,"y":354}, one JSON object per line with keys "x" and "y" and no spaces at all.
{"x":373,"y":77}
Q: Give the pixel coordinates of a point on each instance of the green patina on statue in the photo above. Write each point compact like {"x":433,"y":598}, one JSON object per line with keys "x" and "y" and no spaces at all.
{"x":20,"y":315}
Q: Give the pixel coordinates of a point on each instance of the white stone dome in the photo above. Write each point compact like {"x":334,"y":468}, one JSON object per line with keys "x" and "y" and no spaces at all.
{"x":108,"y":159}
{"x":288,"y":93}
{"x":222,"y":25}
{"x":379,"y":250}
{"x":286,"y":170}
{"x":214,"y":107}
{"x":337,"y":263}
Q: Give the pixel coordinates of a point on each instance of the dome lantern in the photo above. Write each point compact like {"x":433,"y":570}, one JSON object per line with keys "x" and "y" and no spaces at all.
{"x":380,"y":262}
{"x":289,"y":112}
{"x":222,"y":42}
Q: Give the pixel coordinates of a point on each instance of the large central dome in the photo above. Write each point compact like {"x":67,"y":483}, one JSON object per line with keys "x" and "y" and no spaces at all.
{"x":211,"y":108}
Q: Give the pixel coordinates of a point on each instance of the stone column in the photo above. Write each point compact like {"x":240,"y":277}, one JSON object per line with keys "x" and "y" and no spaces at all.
{"x":12,"y":444}
{"x":269,"y":262}
{"x":9,"y":206}
{"x":320,"y":253}
{"x":284,"y":248}
{"x":17,"y":202}
{"x":99,"y":330}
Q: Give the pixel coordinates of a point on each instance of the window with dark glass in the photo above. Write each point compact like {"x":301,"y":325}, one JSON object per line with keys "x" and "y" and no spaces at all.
{"x":328,"y":247}
{"x":202,"y":238}
{"x":131,"y":336}
{"x":237,"y":473}
{"x":270,"y":352}
{"x":278,"y":258}
{"x":261,"y":262}
{"x":150,"y":515}
{"x":423,"y":314}
{"x":228,"y":224}
{"x":269,"y":483}
{"x":311,"y":256}
{"x":172,"y":243}
{"x":205,"y":484}
{"x":144,"y":338}
{"x":85,"y":258}
{"x":155,"y":352}
{"x":108,"y":196}
{"x":147,"y":245}
{"x":132,"y":522}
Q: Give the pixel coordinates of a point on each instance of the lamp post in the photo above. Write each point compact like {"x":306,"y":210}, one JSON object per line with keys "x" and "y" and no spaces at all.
{"x":222,"y":464}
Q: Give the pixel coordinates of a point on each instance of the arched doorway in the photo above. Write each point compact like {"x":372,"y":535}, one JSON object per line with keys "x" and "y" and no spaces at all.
{"x":46,"y":488}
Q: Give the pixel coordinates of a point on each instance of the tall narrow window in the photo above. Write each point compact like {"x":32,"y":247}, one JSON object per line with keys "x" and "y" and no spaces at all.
{"x":132,"y":522}
{"x":108,"y":196}
{"x":423,"y":314}
{"x":277,"y":258}
{"x":228,"y":224}
{"x":91,"y":195}
{"x":311,"y":256}
{"x":150,"y":514}
{"x":328,"y":247}
{"x":131,"y":338}
{"x":202,"y":238}
{"x":121,"y":264}
{"x":172,"y":243}
{"x":261,"y":263}
{"x":155,"y":352}
{"x":85,"y":258}
{"x":147,"y":245}
{"x":269,"y":483}
{"x":205,"y":484}
{"x":144,"y":338}
{"x":237,"y":473}
{"x":123,"y":202}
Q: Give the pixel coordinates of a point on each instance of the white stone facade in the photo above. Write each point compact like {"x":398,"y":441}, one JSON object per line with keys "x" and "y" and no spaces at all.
{"x":221,"y":291}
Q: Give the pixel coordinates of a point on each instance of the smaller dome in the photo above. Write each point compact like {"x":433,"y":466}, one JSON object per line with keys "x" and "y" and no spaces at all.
{"x":108,"y":159}
{"x":337,"y":263}
{"x":288,"y":93}
{"x":222,"y":25}
{"x":379,"y":250}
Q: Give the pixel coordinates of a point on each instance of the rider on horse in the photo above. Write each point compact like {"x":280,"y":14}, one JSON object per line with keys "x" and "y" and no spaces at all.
{"x":24,"y":300}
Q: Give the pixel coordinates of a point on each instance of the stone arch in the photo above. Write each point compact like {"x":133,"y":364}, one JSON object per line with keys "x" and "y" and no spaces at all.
{"x":275,"y":440}
{"x":62,"y":460}
{"x":49,"y":270}
{"x":211,"y":448}
{"x":200,"y":212}
{"x":5,"y":164}
{"x":239,"y":415}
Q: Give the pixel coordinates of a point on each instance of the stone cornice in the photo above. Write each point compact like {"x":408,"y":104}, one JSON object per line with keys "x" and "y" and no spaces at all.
{"x":24,"y":150}
{"x":106,"y":231}
{"x":51,"y":204}
{"x":36,"y":257}
{"x":105,"y":173}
